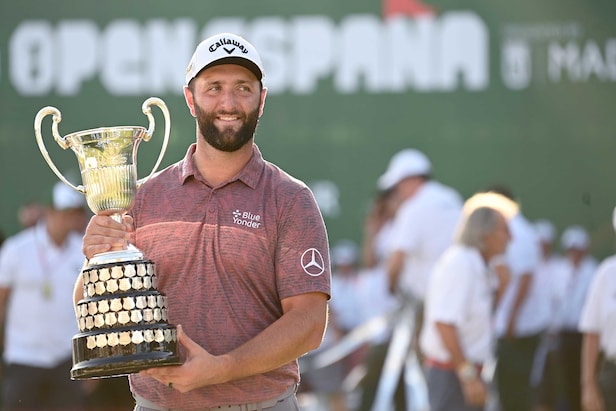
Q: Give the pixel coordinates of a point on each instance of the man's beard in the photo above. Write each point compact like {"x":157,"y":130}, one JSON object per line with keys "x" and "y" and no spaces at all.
{"x":227,"y":139}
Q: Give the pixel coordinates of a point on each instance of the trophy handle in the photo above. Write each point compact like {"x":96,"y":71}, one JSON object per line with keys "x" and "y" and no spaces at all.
{"x":57,"y":117}
{"x":148,"y":112}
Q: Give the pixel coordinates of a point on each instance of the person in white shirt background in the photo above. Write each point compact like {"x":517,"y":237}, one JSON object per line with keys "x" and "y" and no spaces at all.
{"x":574,"y":275}
{"x":38,"y":267}
{"x":424,"y":223}
{"x":598,"y":324}
{"x":421,"y":230}
{"x":457,"y":336}
{"x":546,"y":376}
{"x":521,"y":315}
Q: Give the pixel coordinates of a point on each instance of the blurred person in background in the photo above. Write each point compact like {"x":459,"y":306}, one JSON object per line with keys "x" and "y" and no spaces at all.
{"x":346,"y":285}
{"x":575,"y":272}
{"x":421,"y":229}
{"x":598,"y":324}
{"x":38,"y":267}
{"x":423,"y":225}
{"x":378,"y":302}
{"x":377,"y":228}
{"x":546,"y":376}
{"x":521,"y":314}
{"x":457,"y":335}
{"x":29,"y":214}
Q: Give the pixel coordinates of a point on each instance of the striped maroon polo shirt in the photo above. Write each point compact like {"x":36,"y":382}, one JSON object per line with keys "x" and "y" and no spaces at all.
{"x":226,"y":256}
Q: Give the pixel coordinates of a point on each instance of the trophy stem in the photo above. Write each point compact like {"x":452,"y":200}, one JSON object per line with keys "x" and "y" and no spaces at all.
{"x":117,"y":217}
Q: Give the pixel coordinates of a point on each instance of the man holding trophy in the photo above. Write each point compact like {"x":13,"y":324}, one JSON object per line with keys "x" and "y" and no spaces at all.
{"x":240,"y":248}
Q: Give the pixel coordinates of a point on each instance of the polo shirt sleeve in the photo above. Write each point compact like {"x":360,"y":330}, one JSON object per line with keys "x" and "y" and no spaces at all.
{"x":451,"y":288}
{"x":302,"y":253}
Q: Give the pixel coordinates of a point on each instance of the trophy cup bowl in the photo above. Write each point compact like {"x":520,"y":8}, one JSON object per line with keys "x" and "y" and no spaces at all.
{"x":122,"y":318}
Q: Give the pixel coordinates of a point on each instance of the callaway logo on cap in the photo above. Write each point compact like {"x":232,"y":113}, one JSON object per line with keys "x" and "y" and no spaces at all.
{"x":224,"y":48}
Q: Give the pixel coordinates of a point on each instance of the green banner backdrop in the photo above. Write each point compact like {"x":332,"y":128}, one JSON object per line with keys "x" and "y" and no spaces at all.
{"x":518,"y":93}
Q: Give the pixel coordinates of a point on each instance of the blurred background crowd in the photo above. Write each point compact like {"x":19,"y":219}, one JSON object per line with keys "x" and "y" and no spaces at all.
{"x":532,"y":356}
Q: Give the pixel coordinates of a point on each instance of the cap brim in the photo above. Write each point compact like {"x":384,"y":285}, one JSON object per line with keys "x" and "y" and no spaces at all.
{"x":236,"y":60}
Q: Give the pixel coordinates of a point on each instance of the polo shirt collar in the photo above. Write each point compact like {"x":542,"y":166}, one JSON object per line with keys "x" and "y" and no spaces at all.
{"x":249,"y":175}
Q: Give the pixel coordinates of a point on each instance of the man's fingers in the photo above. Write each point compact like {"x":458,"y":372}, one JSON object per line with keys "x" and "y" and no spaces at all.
{"x":90,"y":250}
{"x":104,"y":234}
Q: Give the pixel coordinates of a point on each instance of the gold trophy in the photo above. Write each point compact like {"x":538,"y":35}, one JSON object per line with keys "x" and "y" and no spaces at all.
{"x":123,"y":321}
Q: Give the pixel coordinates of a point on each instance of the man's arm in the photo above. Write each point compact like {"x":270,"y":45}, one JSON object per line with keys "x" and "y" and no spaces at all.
{"x":591,"y":396}
{"x":4,"y":301}
{"x":472,"y":385}
{"x":395,"y":263}
{"x":298,"y":331}
{"x":5,"y":293}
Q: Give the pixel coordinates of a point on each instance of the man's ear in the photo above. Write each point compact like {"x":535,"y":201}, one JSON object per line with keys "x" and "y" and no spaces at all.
{"x":188,"y":96}
{"x":262,"y":104}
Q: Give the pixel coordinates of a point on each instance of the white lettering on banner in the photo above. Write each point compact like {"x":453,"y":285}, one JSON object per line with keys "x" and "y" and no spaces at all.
{"x":165,"y":62}
{"x":77,"y":58}
{"x":361,"y":52}
{"x":122,"y":74}
{"x":463,"y":51}
{"x":30,"y":58}
{"x":273,"y":32}
{"x":560,"y":51}
{"x":313,"y":47}
{"x":516,"y":64}
{"x":582,"y":61}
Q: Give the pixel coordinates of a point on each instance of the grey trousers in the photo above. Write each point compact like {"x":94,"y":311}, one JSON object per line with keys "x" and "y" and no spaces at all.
{"x":287,"y":401}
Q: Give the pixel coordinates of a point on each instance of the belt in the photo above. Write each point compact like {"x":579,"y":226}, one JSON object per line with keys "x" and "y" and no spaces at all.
{"x":256,"y":406}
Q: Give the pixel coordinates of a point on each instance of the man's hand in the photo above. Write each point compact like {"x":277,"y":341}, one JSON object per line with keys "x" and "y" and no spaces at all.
{"x":475,"y":392}
{"x":591,"y":397}
{"x":105,"y":234}
{"x":199,"y":368}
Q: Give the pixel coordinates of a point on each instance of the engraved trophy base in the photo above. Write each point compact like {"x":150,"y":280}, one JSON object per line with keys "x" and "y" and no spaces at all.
{"x":107,"y":361}
{"x":123,"y":322}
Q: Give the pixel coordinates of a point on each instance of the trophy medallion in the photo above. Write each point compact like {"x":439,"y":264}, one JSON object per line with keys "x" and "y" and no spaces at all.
{"x":122,"y":318}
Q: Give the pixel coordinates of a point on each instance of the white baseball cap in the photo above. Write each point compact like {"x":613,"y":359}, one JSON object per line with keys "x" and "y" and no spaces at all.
{"x":345,"y":252}
{"x":545,"y":230}
{"x":64,"y":197}
{"x":575,"y":236}
{"x":224,"y":48}
{"x":406,"y":163}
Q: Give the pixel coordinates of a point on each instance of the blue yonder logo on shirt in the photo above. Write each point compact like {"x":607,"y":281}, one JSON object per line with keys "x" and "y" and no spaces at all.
{"x":246,"y":219}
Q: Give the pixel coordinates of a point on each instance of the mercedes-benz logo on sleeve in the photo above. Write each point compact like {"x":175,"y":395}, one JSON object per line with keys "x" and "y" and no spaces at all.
{"x":312,"y":262}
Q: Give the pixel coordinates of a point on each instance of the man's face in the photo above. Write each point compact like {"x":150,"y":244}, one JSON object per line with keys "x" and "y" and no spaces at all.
{"x":497,"y":240}
{"x":227,"y":103}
